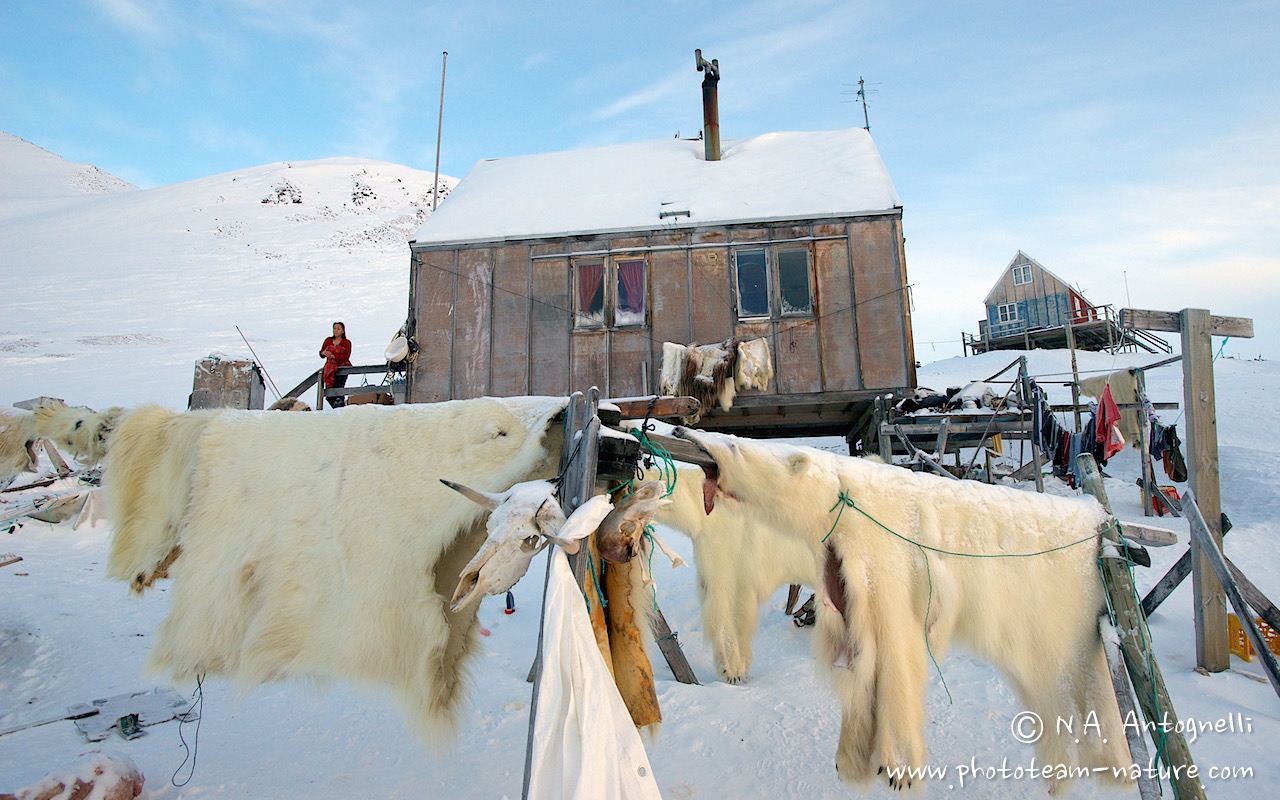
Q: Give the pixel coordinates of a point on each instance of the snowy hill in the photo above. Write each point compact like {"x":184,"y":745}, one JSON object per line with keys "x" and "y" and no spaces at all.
{"x":111,"y":297}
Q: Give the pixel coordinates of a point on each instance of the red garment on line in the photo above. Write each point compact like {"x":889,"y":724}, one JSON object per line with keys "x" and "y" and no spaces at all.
{"x":1107,"y":427}
{"x":339,"y":356}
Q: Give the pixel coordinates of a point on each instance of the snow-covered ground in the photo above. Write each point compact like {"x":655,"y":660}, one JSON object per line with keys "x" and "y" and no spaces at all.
{"x":109,"y":300}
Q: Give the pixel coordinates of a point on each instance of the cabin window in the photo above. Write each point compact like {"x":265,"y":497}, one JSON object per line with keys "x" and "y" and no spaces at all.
{"x":610,"y":289}
{"x":793,"y":281}
{"x":772,"y":281}
{"x":1021,"y":274}
{"x":1007,"y":312}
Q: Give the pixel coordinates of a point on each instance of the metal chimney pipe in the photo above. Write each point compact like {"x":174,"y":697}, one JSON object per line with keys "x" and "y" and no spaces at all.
{"x":710,"y":105}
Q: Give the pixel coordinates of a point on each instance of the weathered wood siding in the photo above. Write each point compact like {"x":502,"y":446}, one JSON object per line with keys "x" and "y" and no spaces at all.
{"x":550,"y":319}
{"x":472,"y":323}
{"x":838,"y":335}
{"x":510,"y":339}
{"x":880,"y":303}
{"x":497,"y":319}
{"x":433,"y":284}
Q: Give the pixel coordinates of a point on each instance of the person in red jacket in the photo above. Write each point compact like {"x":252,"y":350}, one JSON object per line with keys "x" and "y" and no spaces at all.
{"x":336,"y":351}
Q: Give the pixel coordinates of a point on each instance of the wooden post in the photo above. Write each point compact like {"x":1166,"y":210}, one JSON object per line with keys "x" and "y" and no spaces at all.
{"x":1035,"y":427}
{"x":1197,"y":328}
{"x":578,"y":467}
{"x":1075,"y":374}
{"x":1144,"y":671}
{"x":1212,"y":643}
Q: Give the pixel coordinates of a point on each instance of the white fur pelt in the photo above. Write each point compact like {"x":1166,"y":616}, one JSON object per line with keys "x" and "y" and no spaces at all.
{"x":319,"y":545}
{"x":1036,"y":618}
{"x":741,"y":562}
{"x":754,"y":368}
{"x":83,"y":431}
{"x":672,"y":367}
{"x":18,"y":442}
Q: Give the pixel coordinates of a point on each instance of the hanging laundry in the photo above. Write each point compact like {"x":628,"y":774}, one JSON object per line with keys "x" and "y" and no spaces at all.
{"x":1124,"y":390}
{"x":1107,"y":425}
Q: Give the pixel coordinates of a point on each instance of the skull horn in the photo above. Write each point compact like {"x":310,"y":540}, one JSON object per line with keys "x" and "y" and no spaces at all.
{"x":485,"y":499}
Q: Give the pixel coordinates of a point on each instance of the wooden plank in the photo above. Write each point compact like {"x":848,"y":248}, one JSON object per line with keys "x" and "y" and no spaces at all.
{"x":656,"y":407}
{"x":683,"y":450}
{"x":628,"y":355}
{"x":671,"y":312}
{"x":837,"y":333}
{"x":550,"y":320}
{"x":1254,"y":597}
{"x":712,"y":296}
{"x":511,"y":322}
{"x":1148,"y":789}
{"x":1211,"y":551}
{"x":878,"y":313}
{"x":59,"y":463}
{"x":1148,"y":535}
{"x":589,"y":358}
{"x":798,"y":368}
{"x":472,"y":317}
{"x":430,"y":375}
{"x":1212,"y":640}
{"x":1144,"y":670}
{"x":1171,"y":322}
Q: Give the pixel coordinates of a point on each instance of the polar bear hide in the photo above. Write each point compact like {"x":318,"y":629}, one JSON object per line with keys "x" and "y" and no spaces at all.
{"x":886,"y":604}
{"x":319,"y":545}
{"x":18,"y":442}
{"x":83,"y":431}
{"x":740,"y":562}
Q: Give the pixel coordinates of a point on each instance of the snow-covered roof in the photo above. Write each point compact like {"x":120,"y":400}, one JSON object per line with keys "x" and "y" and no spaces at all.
{"x":649,"y":185}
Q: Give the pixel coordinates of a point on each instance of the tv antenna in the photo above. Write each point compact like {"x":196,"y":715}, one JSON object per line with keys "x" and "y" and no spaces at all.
{"x":861,"y":94}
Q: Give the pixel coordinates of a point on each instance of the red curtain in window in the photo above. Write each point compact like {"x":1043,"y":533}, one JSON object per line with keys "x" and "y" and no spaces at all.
{"x":590,"y":281}
{"x":631,"y":280}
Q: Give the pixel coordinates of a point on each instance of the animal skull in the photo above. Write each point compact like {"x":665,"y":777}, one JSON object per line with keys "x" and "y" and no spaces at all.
{"x":521,"y":522}
{"x":620,"y":532}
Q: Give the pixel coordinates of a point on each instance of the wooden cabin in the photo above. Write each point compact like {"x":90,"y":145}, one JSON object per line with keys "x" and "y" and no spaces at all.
{"x":550,"y":273}
{"x":1030,"y":307}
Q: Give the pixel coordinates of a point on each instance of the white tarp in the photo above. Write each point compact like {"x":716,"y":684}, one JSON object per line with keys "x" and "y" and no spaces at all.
{"x":584,"y":743}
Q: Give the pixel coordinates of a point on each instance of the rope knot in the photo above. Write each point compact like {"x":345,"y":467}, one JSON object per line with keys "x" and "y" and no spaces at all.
{"x":842,"y":502}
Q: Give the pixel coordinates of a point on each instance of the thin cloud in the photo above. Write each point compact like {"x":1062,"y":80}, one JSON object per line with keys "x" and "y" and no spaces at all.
{"x":134,"y":16}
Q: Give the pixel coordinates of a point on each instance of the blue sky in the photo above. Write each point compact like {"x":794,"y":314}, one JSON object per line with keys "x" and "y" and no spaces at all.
{"x":1132,"y":148}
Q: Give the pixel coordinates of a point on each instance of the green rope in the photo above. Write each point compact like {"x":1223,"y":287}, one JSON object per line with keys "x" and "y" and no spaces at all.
{"x":845,"y":501}
{"x":648,"y":534}
{"x":667,"y":472}
{"x":591,"y":567}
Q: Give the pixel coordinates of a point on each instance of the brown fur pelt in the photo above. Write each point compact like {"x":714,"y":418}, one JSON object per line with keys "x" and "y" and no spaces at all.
{"x":289,"y":404}
{"x":707,"y":373}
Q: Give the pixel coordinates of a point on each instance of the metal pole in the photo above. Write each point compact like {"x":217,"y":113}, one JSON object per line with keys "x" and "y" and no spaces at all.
{"x":435,"y":192}
{"x":261,"y":366}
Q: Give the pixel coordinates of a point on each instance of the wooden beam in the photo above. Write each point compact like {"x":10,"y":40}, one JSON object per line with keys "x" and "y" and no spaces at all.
{"x":670,"y":647}
{"x":1171,"y":322}
{"x":1144,"y":670}
{"x":656,"y":407}
{"x":1149,"y":535}
{"x":1148,"y":788}
{"x":1212,"y":644}
{"x":1211,"y":550}
{"x":682,"y":450}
